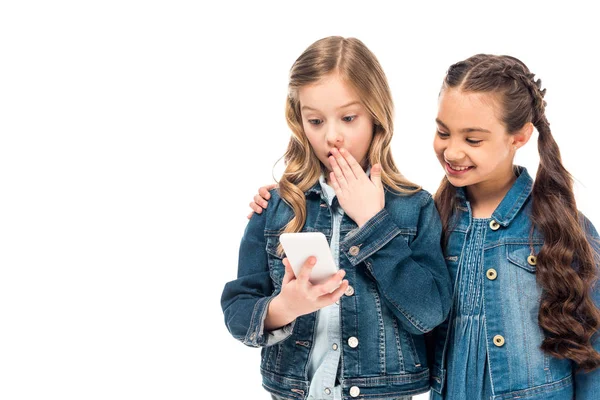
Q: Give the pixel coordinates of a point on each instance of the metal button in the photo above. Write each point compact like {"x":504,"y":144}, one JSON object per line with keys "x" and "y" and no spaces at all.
{"x":354,"y":250}
{"x":491,"y":274}
{"x":494,"y":225}
{"x":532,"y":260}
{"x":354,"y":391}
{"x":252,"y":335}
{"x":349,"y":291}
{"x":337,"y":302}
{"x":327,"y":391}
{"x":334,"y":346}
{"x":498,"y":340}
{"x":353,"y":342}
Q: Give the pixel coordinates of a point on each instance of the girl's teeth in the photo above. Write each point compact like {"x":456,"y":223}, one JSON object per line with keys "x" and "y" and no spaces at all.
{"x":459,"y":168}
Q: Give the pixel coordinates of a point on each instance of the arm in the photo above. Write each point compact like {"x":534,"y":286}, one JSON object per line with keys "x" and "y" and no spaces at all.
{"x":245,"y":300}
{"x":257,"y":315}
{"x":413,"y":280}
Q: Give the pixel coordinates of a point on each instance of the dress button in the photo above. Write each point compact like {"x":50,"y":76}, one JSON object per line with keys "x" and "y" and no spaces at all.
{"x":494,"y":225}
{"x":532,"y":260}
{"x":327,"y":391}
{"x":353,"y":250}
{"x":498,"y":340}
{"x":349,"y":291}
{"x":334,"y":346}
{"x":491,"y":274}
{"x":353,"y":342}
{"x":354,"y":391}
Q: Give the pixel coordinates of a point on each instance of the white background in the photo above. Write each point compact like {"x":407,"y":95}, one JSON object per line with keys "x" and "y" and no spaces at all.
{"x":134,"y":134}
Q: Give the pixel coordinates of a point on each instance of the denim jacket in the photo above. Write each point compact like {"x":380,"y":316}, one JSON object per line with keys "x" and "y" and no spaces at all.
{"x":399,"y":289}
{"x":519,"y":369}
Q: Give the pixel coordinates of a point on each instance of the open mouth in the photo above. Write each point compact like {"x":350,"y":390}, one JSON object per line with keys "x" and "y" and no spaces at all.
{"x":457,"y":169}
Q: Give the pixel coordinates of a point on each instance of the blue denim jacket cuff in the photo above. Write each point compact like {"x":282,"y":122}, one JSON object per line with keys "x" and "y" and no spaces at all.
{"x":372,"y":236}
{"x":279,"y":335}
{"x":256,"y":336}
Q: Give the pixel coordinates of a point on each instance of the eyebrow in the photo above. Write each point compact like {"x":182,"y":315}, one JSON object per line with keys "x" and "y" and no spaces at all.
{"x":464,"y":130}
{"x":339,"y":108}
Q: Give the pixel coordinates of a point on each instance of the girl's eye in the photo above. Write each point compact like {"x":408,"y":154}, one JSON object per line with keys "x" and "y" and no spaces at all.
{"x":315,"y":121}
{"x":473,"y":141}
{"x":349,"y":118}
{"x":443,"y":134}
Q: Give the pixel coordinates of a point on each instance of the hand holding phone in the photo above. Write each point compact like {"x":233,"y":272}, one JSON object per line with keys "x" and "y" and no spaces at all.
{"x":301,"y":245}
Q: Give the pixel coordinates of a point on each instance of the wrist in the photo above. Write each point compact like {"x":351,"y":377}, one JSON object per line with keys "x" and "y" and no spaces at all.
{"x":278,"y":314}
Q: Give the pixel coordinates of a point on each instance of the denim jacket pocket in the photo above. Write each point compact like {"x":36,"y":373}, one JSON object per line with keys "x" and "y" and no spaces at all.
{"x":520,"y":255}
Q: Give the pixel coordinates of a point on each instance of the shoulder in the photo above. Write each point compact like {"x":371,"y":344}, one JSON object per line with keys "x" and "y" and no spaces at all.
{"x":418,"y":199}
{"x":410,"y":207}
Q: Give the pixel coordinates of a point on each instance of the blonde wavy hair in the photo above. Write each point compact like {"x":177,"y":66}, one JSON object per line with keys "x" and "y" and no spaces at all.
{"x":359,"y":68}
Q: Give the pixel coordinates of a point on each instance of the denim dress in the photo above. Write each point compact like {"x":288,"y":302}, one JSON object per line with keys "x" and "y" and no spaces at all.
{"x":468,"y":376}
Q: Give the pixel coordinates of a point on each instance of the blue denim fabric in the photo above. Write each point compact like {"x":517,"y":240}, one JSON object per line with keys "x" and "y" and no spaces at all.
{"x":518,"y":369}
{"x":401,"y":288}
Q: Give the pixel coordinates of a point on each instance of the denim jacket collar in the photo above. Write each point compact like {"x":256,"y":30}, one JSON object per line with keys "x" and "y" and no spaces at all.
{"x":514,"y":199}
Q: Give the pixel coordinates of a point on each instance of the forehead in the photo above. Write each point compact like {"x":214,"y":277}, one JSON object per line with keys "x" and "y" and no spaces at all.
{"x":328,"y":93}
{"x":458,"y":109}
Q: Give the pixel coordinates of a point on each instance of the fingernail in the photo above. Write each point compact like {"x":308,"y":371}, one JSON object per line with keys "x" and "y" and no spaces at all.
{"x":342,"y":273}
{"x":312,"y":261}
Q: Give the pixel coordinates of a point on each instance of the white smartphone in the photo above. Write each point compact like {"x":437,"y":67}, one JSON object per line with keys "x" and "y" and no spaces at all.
{"x":301,"y":245}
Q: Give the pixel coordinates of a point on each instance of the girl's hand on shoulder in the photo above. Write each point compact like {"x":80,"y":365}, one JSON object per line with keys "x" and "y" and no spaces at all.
{"x":299,"y":297}
{"x":360,"y":197}
{"x":261,"y":199}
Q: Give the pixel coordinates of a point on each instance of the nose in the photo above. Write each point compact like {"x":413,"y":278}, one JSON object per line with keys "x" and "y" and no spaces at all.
{"x":453,"y":152}
{"x":334,"y":136}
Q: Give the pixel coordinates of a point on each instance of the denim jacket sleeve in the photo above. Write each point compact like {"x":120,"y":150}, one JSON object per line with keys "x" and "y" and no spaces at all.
{"x":245,"y":300}
{"x":413,"y":279}
{"x":587,"y":385}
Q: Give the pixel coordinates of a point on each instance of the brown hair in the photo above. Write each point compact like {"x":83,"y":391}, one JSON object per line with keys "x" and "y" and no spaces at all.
{"x":566,"y":264}
{"x":359,"y":68}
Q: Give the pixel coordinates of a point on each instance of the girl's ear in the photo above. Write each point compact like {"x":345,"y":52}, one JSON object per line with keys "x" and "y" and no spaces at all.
{"x":522,"y":136}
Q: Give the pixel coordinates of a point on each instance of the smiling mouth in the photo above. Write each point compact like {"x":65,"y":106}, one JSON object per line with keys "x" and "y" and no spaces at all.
{"x":457,"y":169}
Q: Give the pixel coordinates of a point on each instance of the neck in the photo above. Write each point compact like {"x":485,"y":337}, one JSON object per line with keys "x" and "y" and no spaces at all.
{"x":486,"y":196}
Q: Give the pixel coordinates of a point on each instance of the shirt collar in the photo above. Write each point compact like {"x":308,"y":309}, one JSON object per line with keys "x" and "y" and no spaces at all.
{"x":513,"y":201}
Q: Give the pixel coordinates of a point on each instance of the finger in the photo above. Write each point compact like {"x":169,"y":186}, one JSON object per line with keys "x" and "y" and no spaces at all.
{"x":357,"y":170}
{"x":334,"y":296}
{"x":260,"y":201}
{"x":250,"y":215}
{"x":256,"y":208}
{"x":339,"y":158}
{"x":332,"y":283}
{"x":306,"y":269}
{"x":264,"y":191}
{"x":335,"y":184}
{"x":376,"y":175}
{"x":339,"y":175}
{"x":289,"y":272}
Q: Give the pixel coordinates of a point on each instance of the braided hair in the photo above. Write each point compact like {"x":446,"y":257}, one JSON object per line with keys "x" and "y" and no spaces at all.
{"x":566,"y":267}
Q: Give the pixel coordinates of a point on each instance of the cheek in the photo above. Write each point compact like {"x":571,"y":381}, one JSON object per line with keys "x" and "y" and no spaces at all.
{"x":438,"y":146}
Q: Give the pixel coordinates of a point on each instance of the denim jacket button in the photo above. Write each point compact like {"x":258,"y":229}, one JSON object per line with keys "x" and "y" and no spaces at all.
{"x":353,"y":342}
{"x":491,"y":274}
{"x":494,"y":225}
{"x":354,"y":391}
{"x":532,"y":260}
{"x":498,"y":340}
{"x":349,"y":291}
{"x":334,"y":346}
{"x":253,"y":336}
{"x":327,"y":391}
{"x":354,"y":250}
